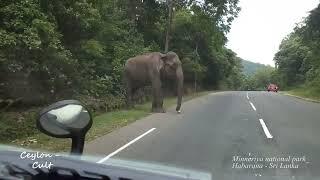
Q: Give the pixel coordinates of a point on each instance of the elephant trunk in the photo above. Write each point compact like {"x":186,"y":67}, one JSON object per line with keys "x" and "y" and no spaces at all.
{"x":179,"y":74}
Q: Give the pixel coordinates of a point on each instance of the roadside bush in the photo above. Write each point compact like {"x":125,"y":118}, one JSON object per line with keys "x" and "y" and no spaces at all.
{"x":102,"y":104}
{"x":14,"y":125}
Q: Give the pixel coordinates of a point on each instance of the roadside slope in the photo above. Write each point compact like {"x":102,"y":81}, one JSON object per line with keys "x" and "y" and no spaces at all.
{"x":304,"y":93}
{"x":102,"y":125}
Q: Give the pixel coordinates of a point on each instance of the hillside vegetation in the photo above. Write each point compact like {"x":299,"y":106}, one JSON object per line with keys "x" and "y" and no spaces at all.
{"x":249,"y":68}
{"x":298,"y":58}
{"x":51,"y":50}
{"x":297,"y":61}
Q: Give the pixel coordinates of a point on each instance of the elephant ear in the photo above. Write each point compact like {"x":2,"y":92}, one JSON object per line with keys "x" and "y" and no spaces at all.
{"x":167,"y":59}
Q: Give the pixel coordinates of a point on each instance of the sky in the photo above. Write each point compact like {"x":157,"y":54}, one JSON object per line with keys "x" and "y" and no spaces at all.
{"x":262,"y":24}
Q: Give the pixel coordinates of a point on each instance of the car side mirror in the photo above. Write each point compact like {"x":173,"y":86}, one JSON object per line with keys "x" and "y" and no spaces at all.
{"x":66,"y":119}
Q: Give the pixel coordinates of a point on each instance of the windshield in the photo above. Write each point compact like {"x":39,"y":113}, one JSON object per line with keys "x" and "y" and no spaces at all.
{"x":230,"y":88}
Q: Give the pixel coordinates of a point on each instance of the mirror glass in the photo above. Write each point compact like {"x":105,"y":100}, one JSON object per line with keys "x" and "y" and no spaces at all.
{"x":64,"y":119}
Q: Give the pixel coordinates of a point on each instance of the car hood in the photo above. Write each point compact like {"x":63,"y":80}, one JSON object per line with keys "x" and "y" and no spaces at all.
{"x":112,"y":163}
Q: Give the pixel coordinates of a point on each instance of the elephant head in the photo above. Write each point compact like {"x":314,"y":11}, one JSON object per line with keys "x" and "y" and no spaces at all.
{"x":172,"y":69}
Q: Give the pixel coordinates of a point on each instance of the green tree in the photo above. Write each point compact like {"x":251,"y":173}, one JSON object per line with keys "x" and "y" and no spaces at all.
{"x":292,"y":60}
{"x":52,"y":50}
{"x":33,"y":61}
{"x":298,"y":57}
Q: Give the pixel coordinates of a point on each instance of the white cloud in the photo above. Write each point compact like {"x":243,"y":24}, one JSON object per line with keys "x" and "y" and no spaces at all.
{"x":257,"y":33}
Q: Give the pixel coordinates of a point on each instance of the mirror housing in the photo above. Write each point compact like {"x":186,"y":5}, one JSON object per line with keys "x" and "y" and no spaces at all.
{"x":66,"y":119}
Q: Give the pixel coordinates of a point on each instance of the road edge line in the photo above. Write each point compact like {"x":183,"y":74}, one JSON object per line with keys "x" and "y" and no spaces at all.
{"x":299,"y":97}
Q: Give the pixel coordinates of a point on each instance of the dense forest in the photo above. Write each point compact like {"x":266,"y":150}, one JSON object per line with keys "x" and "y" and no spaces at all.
{"x":52,"y":50}
{"x":298,"y":58}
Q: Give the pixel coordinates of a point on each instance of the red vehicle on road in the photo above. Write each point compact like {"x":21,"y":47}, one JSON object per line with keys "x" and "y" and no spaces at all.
{"x":273,"y":88}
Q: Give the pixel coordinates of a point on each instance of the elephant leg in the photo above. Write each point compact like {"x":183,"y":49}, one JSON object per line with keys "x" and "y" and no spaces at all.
{"x":154,"y":104}
{"x":129,"y":95}
{"x":161,"y":100}
{"x":157,"y":101}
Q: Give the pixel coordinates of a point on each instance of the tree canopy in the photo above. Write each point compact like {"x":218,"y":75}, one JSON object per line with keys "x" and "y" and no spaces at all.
{"x":58,"y":49}
{"x":298,"y":58}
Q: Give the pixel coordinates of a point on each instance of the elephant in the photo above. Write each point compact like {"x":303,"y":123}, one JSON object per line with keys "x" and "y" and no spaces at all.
{"x":152,"y":69}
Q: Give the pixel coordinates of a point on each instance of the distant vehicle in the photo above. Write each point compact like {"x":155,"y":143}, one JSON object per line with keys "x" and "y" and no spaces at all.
{"x":273,"y":88}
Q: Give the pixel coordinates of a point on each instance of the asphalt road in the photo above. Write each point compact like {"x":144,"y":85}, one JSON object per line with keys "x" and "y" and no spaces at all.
{"x":231,"y":135}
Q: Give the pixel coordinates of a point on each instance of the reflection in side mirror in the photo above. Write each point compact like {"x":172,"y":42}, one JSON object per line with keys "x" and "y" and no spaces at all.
{"x":66,"y":119}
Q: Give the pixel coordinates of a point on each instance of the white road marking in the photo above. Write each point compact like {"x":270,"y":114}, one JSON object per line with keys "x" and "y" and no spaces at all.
{"x":125,"y":146}
{"x":265,"y":129}
{"x":254,"y":108}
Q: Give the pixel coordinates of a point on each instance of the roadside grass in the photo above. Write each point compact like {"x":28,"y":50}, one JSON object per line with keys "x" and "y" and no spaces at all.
{"x":305,"y":92}
{"x":102,"y":125}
